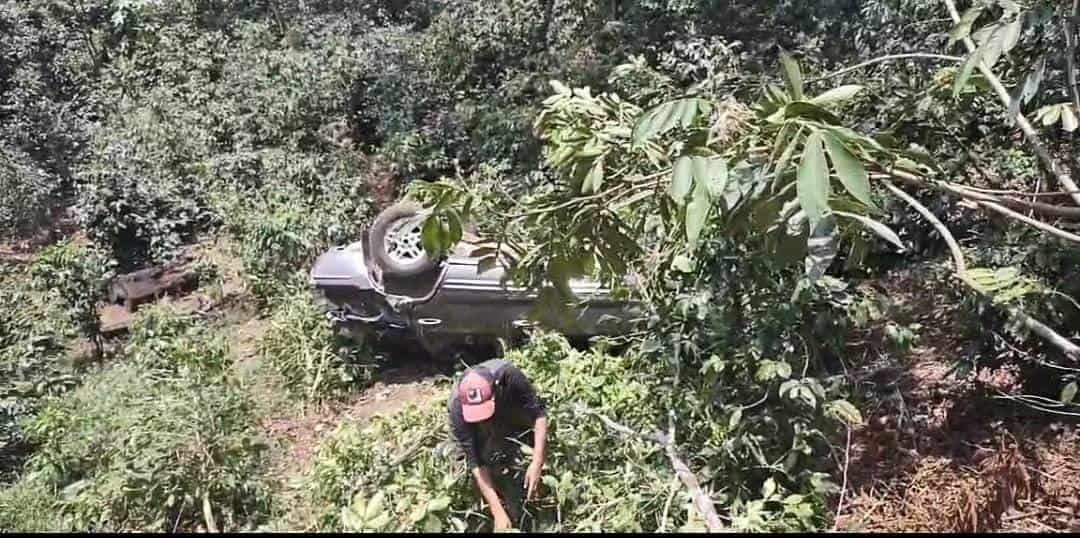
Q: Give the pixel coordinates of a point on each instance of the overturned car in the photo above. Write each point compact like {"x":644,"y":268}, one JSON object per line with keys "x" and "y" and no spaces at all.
{"x":385,"y":284}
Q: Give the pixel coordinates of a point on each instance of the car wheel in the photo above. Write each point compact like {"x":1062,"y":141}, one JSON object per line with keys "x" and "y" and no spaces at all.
{"x":395,"y":241}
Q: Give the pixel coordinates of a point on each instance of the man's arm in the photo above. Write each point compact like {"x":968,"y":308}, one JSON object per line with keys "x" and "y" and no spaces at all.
{"x":533,"y":405}
{"x":533,"y":473}
{"x":487,"y":490}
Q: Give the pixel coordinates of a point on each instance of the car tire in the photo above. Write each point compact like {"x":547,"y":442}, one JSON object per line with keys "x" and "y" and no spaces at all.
{"x":395,"y":264}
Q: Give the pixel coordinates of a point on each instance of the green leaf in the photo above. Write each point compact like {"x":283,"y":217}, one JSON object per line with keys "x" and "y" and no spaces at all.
{"x":1068,"y":393}
{"x":963,"y":28}
{"x":810,"y":111}
{"x":837,"y":95}
{"x":560,"y":88}
{"x":594,"y":179}
{"x":374,"y":506}
{"x":682,"y":176}
{"x":1026,"y":91}
{"x":1068,"y":118}
{"x":965,"y":71}
{"x":682,"y":263}
{"x":456,"y":227}
{"x":432,"y":524}
{"x":736,"y":417}
{"x":846,"y":412}
{"x":851,"y":172}
{"x":718,"y":177}
{"x":879,"y":228}
{"x":792,"y":76}
{"x":666,"y":116}
{"x":1011,"y":34}
{"x":431,"y":236}
{"x":697,"y":212}
{"x":812,"y":184}
{"x":350,"y":520}
{"x":1050,"y":114}
{"x":785,"y":158}
{"x":768,"y":489}
{"x":378,"y":522}
{"x":438,"y":504}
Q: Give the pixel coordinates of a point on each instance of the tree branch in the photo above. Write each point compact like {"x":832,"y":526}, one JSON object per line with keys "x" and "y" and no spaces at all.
{"x":1056,"y":232}
{"x":1037,"y":207}
{"x":980,"y":200}
{"x":702,"y":501}
{"x":1030,"y":134}
{"x":1051,"y":336}
{"x":888,"y":58}
{"x":954,"y":246}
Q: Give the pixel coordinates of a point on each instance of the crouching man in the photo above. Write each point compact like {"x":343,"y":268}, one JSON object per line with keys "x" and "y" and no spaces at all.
{"x":493,"y":405}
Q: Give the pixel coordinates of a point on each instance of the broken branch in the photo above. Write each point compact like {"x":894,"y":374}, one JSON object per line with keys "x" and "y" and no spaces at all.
{"x":1030,"y":134}
{"x":702,"y":501}
{"x":1051,"y":336}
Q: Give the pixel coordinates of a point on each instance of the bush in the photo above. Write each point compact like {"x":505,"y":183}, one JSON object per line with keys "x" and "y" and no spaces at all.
{"x":162,"y":441}
{"x":25,"y":193}
{"x":77,"y":273}
{"x":33,"y":332}
{"x":314,"y":362}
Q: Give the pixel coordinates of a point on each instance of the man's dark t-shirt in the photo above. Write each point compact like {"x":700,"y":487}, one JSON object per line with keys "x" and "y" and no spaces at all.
{"x":515,"y":402}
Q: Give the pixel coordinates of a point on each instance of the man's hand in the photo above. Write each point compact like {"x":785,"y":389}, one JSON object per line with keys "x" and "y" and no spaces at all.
{"x":502,"y":521}
{"x":532,"y":478}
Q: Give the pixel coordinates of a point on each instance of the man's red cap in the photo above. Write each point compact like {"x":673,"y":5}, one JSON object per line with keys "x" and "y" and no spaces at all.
{"x":475,"y":394}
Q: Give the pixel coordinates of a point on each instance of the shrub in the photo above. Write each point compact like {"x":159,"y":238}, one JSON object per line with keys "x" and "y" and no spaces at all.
{"x":33,"y":332}
{"x":161,"y":441}
{"x":77,"y":273}
{"x":25,"y":192}
{"x":313,"y":360}
{"x":303,"y":204}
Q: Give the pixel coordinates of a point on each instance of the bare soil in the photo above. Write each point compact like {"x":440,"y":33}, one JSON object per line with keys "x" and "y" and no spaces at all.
{"x":936,"y":452}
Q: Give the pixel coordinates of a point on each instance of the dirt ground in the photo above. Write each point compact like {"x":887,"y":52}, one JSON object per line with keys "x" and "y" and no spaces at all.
{"x":937,"y":454}
{"x":300,"y":435}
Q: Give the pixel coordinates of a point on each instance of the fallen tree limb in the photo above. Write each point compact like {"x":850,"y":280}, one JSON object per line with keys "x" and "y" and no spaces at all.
{"x":1030,"y":134}
{"x":702,"y":501}
{"x":1056,"y":232}
{"x":1051,"y":336}
{"x":981,"y":200}
{"x":1037,"y":207}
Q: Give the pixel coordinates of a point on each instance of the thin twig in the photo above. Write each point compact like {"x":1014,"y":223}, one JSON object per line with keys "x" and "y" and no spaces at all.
{"x":1030,"y":134}
{"x":888,"y":58}
{"x":843,"y":487}
{"x":667,"y":505}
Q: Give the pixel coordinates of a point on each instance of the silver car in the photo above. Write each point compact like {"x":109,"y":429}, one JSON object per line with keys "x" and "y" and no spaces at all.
{"x":387,"y":285}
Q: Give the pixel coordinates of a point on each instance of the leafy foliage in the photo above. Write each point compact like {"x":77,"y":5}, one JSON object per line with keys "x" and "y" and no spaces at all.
{"x":159,"y":441}
{"x":77,"y":274}
{"x":314,"y":361}
{"x":395,"y":475}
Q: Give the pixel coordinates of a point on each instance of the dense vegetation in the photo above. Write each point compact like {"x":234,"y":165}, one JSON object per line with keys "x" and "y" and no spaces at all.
{"x":751,"y":162}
